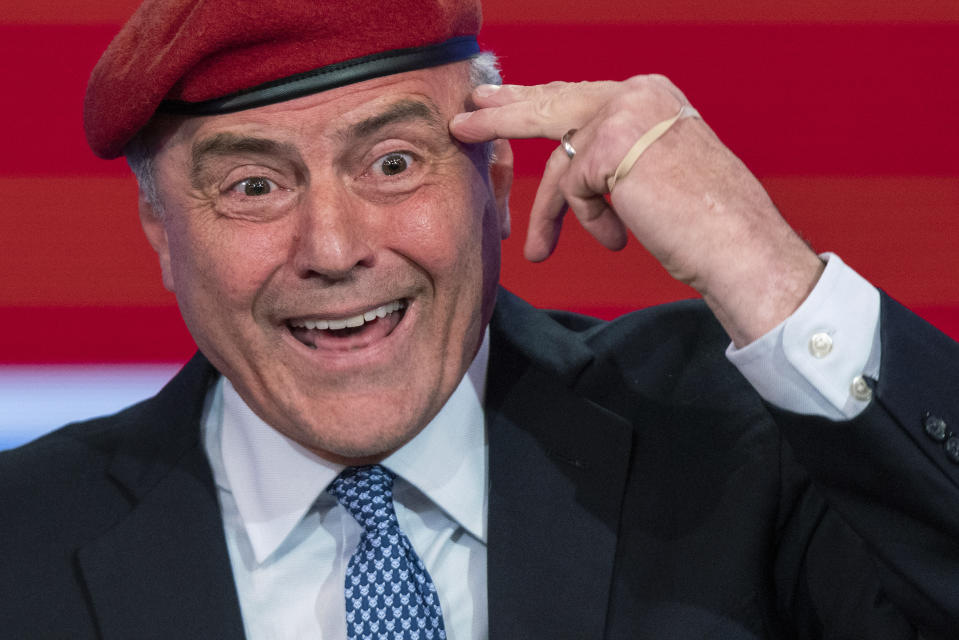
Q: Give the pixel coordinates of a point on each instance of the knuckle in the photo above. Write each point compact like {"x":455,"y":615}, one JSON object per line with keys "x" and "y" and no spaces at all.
{"x":641,"y":83}
{"x":557,"y":160}
{"x":661,"y":80}
{"x":626,"y":112}
{"x":542,"y":109}
{"x":653,"y":83}
{"x":548,"y":93}
{"x":617,"y":129}
{"x":625,"y":102}
{"x":588,"y":210}
{"x":645,"y":93}
{"x":565,"y":187}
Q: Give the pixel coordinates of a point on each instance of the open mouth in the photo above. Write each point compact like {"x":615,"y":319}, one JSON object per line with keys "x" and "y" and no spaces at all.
{"x":349,"y":333}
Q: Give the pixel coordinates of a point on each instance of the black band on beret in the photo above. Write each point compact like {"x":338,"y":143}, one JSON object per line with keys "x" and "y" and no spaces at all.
{"x":330,"y":77}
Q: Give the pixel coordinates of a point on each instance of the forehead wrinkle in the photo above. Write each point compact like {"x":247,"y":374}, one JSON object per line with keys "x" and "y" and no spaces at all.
{"x":227,"y":144}
{"x":406,"y":110}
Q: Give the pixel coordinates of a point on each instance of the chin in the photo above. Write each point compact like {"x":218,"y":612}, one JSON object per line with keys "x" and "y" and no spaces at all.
{"x":355,"y":447}
{"x":359,"y":430}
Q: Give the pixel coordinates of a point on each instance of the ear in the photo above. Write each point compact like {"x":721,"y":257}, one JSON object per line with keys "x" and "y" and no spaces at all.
{"x":501,"y":179}
{"x":156,"y":234}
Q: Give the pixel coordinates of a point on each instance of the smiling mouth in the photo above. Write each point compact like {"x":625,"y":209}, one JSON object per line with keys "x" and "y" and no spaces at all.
{"x":351,"y":332}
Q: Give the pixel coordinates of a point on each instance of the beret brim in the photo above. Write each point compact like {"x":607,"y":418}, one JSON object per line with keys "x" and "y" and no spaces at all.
{"x":330,"y":77}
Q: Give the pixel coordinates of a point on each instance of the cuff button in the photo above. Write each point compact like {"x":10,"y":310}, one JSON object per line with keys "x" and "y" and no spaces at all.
{"x":935,"y":427}
{"x":952,"y":449}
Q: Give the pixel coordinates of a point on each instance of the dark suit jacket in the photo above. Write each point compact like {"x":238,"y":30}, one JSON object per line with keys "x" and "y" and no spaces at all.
{"x":639,"y":489}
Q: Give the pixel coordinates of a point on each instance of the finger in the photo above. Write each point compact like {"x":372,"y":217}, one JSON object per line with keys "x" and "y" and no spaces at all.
{"x":514,"y":120}
{"x":502,"y":111}
{"x":541,"y":111}
{"x":549,"y":208}
{"x":600,"y":220}
{"x":489,"y":95}
{"x":584,"y":190}
{"x":497,"y":95}
{"x":564,"y":186}
{"x":543,"y":235}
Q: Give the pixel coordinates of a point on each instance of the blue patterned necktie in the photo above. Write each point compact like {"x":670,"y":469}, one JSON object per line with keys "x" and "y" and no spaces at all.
{"x":389,"y":593}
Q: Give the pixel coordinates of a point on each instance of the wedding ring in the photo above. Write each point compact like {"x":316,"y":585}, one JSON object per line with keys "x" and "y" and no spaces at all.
{"x":567,"y":147}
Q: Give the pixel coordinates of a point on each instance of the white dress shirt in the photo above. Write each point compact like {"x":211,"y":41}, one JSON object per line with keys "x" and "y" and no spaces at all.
{"x":290,"y":542}
{"x":814,"y":362}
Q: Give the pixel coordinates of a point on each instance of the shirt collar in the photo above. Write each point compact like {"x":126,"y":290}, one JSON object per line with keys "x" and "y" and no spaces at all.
{"x":275,"y":481}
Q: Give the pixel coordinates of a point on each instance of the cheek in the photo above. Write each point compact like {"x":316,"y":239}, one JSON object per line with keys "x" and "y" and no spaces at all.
{"x":220,"y":265}
{"x":442,"y":235}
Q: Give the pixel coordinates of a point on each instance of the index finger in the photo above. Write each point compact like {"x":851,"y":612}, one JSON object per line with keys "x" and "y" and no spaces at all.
{"x":509,"y":121}
{"x":540,"y":111}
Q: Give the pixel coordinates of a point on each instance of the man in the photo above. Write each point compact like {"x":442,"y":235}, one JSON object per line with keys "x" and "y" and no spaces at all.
{"x":326,"y":189}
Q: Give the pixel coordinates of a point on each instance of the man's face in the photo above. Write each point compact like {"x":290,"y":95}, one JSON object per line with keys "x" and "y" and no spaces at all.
{"x":335,"y":256}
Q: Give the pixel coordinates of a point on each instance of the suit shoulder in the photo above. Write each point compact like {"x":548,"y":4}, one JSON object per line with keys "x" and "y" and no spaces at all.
{"x":166,"y":420}
{"x":58,"y":490}
{"x":684,"y":332}
{"x":673,"y":352}
{"x":684,"y":320}
{"x":68,"y":452}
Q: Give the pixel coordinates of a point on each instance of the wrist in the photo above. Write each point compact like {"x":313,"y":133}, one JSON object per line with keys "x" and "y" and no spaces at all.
{"x":758,"y":295}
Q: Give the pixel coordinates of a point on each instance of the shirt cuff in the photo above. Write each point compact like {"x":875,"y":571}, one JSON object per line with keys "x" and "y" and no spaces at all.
{"x":816,"y":362}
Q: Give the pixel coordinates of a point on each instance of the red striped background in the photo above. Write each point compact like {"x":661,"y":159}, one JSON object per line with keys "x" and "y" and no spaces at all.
{"x":845,"y":110}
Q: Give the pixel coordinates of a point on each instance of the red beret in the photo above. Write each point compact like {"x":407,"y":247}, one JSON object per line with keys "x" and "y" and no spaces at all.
{"x":205,"y":57}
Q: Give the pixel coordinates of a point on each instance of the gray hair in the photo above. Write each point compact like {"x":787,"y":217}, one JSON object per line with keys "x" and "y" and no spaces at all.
{"x":484,"y":69}
{"x":139,"y":155}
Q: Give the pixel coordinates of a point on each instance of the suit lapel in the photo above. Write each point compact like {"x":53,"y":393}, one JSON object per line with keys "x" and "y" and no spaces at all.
{"x":164,"y":570}
{"x":558,"y":465}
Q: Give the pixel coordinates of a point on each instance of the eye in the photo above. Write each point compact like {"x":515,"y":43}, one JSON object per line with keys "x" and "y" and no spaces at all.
{"x":394,"y":163}
{"x":255,"y":186}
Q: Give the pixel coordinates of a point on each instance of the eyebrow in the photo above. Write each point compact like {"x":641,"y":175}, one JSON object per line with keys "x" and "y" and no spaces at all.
{"x":401,"y":111}
{"x":227,"y":144}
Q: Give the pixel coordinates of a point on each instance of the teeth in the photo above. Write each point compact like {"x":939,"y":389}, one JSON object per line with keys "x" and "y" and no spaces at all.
{"x":353,"y":321}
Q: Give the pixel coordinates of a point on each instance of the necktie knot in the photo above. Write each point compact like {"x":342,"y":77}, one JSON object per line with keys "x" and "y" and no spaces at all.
{"x":367,"y":493}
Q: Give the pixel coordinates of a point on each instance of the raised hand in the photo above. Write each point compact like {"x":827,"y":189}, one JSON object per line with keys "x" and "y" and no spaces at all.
{"x":688,"y":199}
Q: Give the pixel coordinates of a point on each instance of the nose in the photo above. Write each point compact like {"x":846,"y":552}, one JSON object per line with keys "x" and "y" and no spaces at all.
{"x":333,"y":238}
